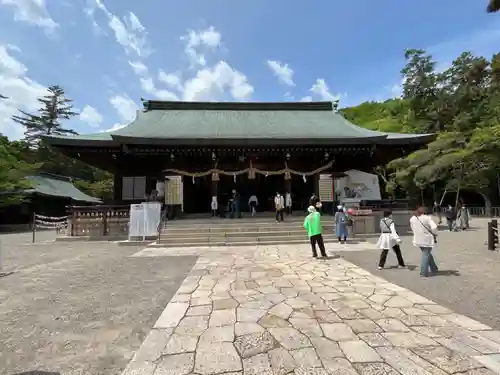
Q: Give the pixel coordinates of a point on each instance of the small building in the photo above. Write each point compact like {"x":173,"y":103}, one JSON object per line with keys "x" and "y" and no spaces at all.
{"x":49,"y":196}
{"x":188,"y":152}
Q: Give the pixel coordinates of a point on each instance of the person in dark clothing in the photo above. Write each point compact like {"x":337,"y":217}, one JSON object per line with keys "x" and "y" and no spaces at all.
{"x":235,"y":204}
{"x":313,"y":200}
{"x":451,"y":216}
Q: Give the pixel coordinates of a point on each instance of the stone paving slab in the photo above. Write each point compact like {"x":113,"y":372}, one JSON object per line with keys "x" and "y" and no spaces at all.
{"x":276,"y":311}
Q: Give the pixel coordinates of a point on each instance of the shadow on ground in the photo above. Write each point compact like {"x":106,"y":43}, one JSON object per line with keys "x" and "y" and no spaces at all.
{"x":468,"y":281}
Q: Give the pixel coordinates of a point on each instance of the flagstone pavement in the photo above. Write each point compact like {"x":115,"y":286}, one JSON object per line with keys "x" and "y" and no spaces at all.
{"x":276,"y":311}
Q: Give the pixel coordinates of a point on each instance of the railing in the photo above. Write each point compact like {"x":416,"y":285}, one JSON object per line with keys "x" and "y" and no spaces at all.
{"x":57,"y":223}
{"x":483,"y":212}
{"x":98,"y":221}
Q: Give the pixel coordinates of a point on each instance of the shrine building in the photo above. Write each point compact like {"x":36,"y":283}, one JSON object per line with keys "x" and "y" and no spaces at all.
{"x":187,"y":152}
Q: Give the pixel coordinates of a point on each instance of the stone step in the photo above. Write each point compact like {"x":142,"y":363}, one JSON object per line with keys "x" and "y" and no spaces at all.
{"x":210,"y":240}
{"x":266,"y":242}
{"x":169,"y":231}
{"x":229,"y":235}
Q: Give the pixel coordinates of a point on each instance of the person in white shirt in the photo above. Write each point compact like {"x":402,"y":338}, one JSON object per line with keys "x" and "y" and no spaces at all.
{"x":288,"y":203}
{"x":279,"y":205}
{"x":425,"y":233}
{"x":389,"y":239}
{"x":253,"y":202}
{"x":214,"y":205}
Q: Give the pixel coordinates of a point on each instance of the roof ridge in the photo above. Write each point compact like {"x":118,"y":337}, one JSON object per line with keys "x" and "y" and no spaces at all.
{"x":152,"y":105}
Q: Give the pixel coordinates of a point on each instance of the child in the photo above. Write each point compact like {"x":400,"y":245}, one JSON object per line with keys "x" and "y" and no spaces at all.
{"x":389,"y":239}
{"x":312,"y":223}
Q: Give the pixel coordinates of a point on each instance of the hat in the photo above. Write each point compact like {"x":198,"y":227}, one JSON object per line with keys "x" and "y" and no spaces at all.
{"x":311,"y":209}
{"x":339,"y":207}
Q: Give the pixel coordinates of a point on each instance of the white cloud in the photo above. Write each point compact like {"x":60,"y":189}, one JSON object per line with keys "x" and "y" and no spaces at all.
{"x":171,"y":80}
{"x":22,"y":92}
{"x":91,"y":116}
{"x":321,"y":89}
{"x":149,"y":87}
{"x":129,"y":31}
{"x":139,"y":68}
{"x":282,"y":71}
{"x":33,"y":12}
{"x":210,"y":84}
{"x":209,"y":38}
{"x":126,"y":107}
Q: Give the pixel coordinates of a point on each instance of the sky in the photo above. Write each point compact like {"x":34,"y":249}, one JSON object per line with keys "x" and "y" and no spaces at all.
{"x":108,"y":54}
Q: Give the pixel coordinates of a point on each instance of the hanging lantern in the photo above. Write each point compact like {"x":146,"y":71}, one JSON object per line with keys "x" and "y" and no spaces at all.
{"x":215,"y":176}
{"x":288,"y":175}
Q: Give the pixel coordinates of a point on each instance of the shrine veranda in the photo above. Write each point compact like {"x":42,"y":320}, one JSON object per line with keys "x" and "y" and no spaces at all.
{"x":196,"y":150}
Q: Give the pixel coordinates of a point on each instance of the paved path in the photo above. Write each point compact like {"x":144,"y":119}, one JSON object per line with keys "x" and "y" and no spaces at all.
{"x":276,"y":311}
{"x":79,"y":308}
{"x":470,"y":279}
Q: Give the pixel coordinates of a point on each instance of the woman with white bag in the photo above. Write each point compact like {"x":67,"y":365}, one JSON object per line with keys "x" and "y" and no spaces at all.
{"x":389,"y":239}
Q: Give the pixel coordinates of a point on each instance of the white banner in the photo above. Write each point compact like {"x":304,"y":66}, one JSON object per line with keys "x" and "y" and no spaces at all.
{"x":144,"y":219}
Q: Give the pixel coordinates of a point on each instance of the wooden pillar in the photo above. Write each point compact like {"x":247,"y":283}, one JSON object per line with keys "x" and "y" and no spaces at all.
{"x":117,"y":187}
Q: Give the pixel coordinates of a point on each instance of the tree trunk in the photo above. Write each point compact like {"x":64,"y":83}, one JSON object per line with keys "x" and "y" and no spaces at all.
{"x":488,"y":211}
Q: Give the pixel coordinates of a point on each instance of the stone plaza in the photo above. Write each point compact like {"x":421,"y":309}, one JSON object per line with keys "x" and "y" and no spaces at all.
{"x":275,"y":311}
{"x":75,"y":308}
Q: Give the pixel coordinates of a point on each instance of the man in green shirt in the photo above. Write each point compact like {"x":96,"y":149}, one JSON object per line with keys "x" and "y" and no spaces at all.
{"x":312,"y":223}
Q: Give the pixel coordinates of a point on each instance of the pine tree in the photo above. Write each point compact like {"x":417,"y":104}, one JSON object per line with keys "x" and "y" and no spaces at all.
{"x":55,"y":107}
{"x":493,"y":6}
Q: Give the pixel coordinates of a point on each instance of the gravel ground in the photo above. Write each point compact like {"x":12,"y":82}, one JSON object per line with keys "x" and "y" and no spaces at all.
{"x":79,"y":308}
{"x":469,"y":280}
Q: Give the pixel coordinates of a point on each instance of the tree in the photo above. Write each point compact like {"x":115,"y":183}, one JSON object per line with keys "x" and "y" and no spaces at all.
{"x":461,"y":104}
{"x":493,"y":6}
{"x":55,"y":107}
{"x":13,"y":171}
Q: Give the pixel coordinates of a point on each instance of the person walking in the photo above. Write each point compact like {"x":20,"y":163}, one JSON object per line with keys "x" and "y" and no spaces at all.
{"x":341,"y":220}
{"x":253,"y":202}
{"x":288,"y":203}
{"x":214,"y":206}
{"x":312,"y":224}
{"x":451,"y":216}
{"x":279,"y":205}
{"x":389,"y":239}
{"x":425,"y":233}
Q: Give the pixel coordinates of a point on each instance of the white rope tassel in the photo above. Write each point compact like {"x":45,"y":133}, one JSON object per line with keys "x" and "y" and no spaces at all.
{"x":304,"y":178}
{"x":193,"y":180}
{"x":234,"y":178}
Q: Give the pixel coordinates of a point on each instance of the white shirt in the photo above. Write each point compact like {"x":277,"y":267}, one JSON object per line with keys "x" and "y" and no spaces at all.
{"x":279,"y":202}
{"x":424,"y":229}
{"x":253,"y":198}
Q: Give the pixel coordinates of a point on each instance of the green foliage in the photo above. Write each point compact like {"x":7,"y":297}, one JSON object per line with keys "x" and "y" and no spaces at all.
{"x":19,"y":159}
{"x":13,"y":171}
{"x":461,"y":104}
{"x":54,"y":108}
{"x":102,"y":189}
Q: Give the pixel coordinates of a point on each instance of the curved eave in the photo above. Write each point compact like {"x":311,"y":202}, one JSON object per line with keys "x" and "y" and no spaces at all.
{"x":374,"y":140}
{"x":409,"y":139}
{"x":79,"y":142}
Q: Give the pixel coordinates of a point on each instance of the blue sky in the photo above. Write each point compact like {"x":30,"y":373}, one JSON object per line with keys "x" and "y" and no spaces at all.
{"x":107,"y":54}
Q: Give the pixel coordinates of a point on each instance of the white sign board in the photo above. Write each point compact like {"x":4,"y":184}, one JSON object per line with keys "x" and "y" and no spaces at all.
{"x":358,"y":185}
{"x":136,"y":222}
{"x":144,"y":219}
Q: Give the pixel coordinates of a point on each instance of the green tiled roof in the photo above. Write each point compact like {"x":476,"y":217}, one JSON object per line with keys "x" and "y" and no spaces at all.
{"x":226,"y":121}
{"x":58,"y":187}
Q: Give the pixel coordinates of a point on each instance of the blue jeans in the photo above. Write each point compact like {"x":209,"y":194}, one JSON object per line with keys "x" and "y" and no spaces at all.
{"x":427,"y":262}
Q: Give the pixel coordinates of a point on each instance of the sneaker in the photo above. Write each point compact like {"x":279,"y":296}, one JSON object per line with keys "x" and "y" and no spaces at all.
{"x":401,"y":266}
{"x":380,"y":268}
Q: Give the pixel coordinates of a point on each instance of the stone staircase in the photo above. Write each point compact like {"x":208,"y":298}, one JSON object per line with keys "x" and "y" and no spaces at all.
{"x":233,"y":232}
